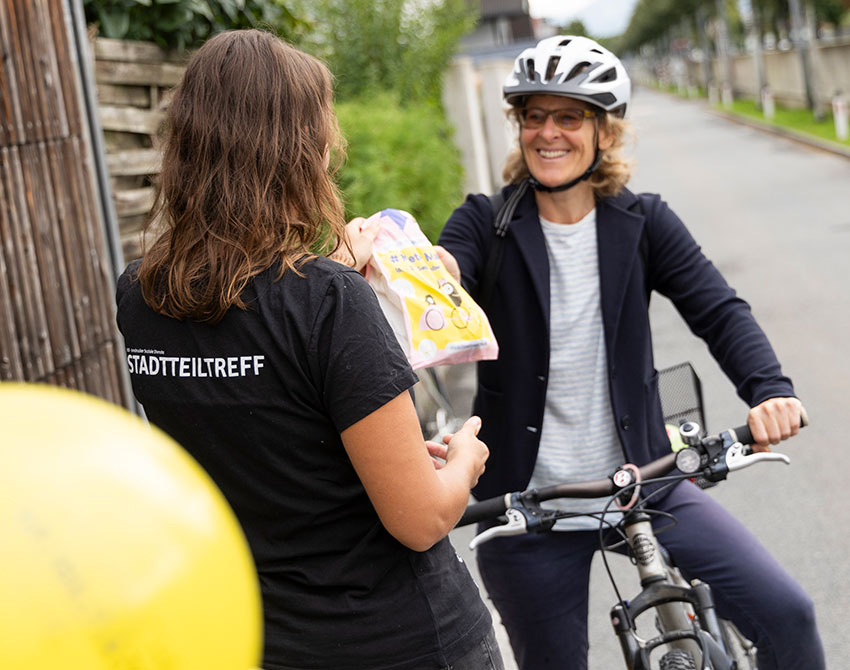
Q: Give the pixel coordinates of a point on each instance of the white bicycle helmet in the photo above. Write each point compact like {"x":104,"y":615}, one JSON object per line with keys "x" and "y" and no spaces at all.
{"x":576,"y":67}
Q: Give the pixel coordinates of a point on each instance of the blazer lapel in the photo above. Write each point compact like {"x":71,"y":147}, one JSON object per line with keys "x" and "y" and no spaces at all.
{"x":532,"y":246}
{"x":618,"y":238}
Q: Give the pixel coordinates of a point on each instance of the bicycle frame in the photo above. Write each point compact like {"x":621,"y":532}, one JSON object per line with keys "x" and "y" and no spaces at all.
{"x":676,"y":603}
{"x":686,"y":614}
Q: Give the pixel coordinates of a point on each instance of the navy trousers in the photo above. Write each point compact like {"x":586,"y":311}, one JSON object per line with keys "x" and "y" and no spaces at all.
{"x":539,"y":585}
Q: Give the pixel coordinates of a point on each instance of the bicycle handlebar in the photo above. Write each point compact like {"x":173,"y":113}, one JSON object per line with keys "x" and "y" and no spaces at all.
{"x":727,"y":451}
{"x":493,"y":507}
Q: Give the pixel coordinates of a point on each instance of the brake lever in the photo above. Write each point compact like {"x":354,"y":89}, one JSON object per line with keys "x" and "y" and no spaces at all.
{"x":738,"y":459}
{"x":517,"y":525}
{"x":524,"y":516}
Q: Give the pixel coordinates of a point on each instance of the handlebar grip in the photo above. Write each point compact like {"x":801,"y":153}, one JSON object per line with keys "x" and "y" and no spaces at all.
{"x":486,"y":509}
{"x":745,"y":436}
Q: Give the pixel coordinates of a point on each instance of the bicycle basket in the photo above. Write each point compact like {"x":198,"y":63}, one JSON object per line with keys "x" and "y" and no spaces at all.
{"x":681,"y":395}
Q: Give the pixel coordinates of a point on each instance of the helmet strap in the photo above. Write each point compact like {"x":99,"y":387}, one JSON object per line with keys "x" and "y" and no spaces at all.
{"x":537,"y":186}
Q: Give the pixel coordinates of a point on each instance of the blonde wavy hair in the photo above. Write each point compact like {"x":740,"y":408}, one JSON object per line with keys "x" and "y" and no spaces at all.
{"x":608,"y":179}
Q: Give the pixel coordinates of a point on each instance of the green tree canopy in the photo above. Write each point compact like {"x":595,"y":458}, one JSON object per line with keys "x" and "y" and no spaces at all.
{"x":832,"y":11}
{"x":653,"y":19}
{"x":575,"y":27}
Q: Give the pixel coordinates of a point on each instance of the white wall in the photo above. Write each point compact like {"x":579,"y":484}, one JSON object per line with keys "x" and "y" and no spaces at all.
{"x":783,"y":72}
{"x":472,"y":97}
{"x":461,"y":100}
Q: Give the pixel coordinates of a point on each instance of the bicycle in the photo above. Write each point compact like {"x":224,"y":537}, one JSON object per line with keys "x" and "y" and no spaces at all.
{"x":437,"y":416}
{"x":690,"y":635}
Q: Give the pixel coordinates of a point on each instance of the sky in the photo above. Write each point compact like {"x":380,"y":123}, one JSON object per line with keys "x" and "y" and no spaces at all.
{"x":602,"y":18}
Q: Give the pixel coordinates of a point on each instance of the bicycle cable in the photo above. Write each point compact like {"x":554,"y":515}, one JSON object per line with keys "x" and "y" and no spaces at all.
{"x":668,"y":482}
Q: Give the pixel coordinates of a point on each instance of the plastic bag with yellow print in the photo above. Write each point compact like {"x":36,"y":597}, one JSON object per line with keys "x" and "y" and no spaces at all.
{"x":433,"y":318}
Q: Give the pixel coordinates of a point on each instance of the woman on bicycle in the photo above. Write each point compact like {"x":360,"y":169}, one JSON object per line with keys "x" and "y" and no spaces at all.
{"x":574,"y":391}
{"x":276,"y":369}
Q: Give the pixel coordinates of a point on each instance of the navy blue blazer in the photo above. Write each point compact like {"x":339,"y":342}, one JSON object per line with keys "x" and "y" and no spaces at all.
{"x":511,"y":391}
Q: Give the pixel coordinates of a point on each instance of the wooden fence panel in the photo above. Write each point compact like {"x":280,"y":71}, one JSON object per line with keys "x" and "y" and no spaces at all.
{"x":57,"y":321}
{"x":133,"y":81}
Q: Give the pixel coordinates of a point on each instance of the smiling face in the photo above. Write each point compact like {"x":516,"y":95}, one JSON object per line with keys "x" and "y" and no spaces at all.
{"x":554,"y":155}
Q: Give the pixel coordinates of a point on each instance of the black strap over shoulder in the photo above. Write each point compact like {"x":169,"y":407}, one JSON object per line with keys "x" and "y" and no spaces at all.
{"x":503,"y":213}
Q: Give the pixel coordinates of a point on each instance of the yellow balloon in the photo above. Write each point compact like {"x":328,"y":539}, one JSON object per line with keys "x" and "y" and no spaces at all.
{"x":116,"y":549}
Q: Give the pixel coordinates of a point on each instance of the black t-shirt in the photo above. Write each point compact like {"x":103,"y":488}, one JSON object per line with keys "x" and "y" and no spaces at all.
{"x":260,"y":399}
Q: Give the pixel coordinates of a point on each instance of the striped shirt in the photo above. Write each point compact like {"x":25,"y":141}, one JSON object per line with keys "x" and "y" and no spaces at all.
{"x":578,"y":440}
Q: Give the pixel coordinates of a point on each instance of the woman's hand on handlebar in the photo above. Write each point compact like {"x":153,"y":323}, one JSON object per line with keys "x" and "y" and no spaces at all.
{"x":774,"y":420}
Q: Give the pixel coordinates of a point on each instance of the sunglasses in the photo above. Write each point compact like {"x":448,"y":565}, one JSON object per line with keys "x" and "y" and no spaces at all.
{"x":566,"y":119}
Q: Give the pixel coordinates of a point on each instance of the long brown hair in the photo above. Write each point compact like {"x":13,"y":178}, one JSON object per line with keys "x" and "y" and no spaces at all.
{"x":245,"y":181}
{"x":608,"y":179}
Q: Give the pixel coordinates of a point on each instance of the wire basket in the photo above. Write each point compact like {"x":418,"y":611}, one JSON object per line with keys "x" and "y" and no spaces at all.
{"x":681,"y":395}
{"x":681,"y":400}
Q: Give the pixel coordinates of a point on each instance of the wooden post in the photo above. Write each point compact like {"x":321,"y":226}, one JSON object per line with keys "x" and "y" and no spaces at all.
{"x":57,"y":323}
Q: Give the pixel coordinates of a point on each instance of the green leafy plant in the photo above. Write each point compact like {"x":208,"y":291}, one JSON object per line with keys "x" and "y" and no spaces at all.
{"x":388,"y":58}
{"x":397,"y":45}
{"x":183,"y":24}
{"x":400,"y":157}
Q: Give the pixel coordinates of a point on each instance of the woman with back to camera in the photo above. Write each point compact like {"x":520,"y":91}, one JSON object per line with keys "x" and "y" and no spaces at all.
{"x":574,"y":392}
{"x":276,"y":369}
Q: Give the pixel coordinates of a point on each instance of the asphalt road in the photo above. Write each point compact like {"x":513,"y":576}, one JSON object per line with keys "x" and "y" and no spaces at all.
{"x":774,"y":216}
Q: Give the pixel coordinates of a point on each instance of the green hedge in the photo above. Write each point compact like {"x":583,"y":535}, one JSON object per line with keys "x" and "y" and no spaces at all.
{"x":182,"y":24}
{"x":400,"y":157}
